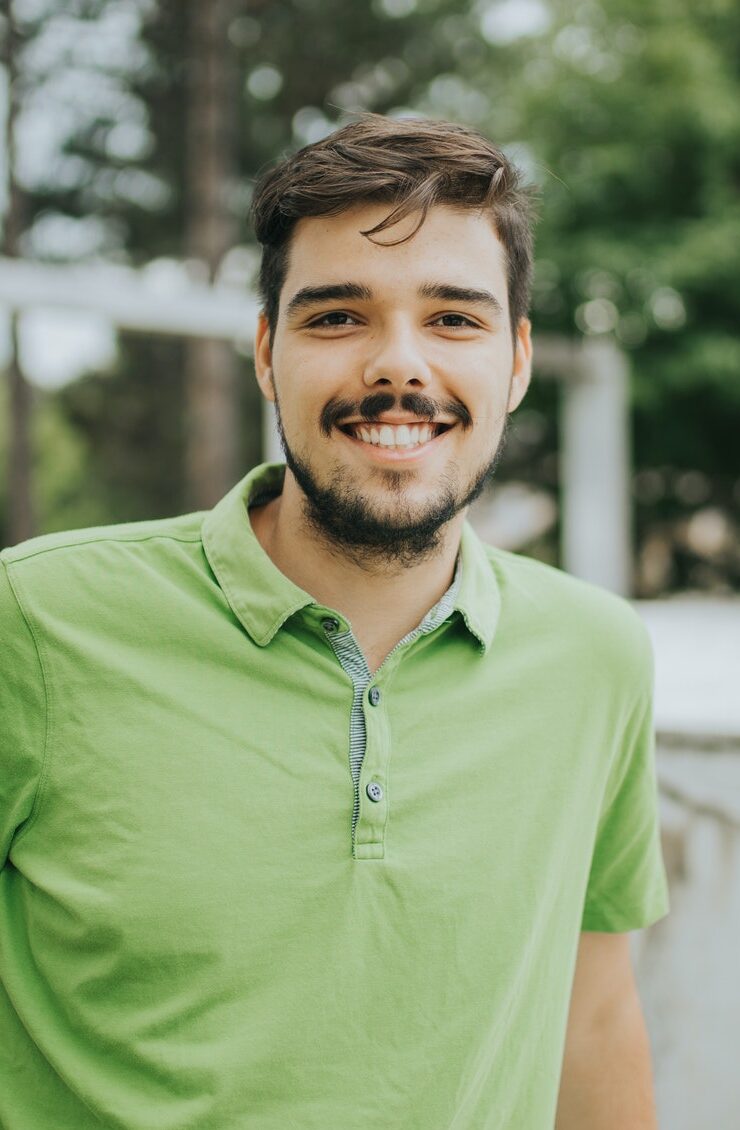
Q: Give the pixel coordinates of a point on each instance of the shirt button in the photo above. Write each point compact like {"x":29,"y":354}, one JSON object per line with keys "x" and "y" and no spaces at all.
{"x":374,"y":791}
{"x":330,"y":625}
{"x":374,"y":696}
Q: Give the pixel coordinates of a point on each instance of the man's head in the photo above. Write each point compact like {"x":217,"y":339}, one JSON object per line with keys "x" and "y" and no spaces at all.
{"x":425,"y":327}
{"x":410,"y":164}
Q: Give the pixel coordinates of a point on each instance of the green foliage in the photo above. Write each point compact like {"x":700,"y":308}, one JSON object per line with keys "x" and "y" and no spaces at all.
{"x":628,"y":115}
{"x":63,"y":495}
{"x":62,"y":470}
{"x":634,"y":113}
{"x":133,"y":431}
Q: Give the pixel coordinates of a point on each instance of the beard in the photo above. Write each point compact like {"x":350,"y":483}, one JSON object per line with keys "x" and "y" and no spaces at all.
{"x":352,"y":524}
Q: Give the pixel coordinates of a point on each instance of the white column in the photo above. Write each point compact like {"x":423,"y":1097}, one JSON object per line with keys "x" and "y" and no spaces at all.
{"x":272,"y":452}
{"x":595,"y":468}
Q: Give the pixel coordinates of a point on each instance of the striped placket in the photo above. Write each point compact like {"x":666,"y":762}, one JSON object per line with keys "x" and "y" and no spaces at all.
{"x":352,"y":659}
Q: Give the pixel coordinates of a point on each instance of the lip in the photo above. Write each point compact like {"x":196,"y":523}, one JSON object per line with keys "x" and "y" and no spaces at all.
{"x":390,"y":455}
{"x":396,"y":421}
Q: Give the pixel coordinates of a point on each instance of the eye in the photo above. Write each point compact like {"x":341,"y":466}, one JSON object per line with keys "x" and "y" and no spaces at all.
{"x":462,"y":322}
{"x":323,"y":320}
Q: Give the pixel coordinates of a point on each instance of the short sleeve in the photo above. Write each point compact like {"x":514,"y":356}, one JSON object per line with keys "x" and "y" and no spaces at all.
{"x":627,"y":887}
{"x":22,"y":716}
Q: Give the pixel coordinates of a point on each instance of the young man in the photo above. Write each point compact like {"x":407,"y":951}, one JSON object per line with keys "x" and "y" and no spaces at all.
{"x":317,"y":812}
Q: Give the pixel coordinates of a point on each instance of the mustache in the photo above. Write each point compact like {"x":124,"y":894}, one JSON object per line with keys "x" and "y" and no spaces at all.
{"x":373,"y":406}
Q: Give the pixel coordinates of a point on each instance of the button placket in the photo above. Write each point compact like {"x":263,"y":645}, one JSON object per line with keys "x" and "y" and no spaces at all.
{"x":370,"y":814}
{"x":374,"y":797}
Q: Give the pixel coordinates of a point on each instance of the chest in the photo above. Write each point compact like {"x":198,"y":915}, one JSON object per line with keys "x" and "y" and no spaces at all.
{"x":167,"y":804}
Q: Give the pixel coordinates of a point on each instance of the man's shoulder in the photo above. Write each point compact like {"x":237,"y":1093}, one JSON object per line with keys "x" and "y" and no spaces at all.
{"x":69,"y":569}
{"x":536,"y":580}
{"x":54,"y":547}
{"x":541,"y":596}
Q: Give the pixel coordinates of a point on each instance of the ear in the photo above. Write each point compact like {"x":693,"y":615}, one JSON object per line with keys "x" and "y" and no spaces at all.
{"x":522,"y":372}
{"x":263,"y":357}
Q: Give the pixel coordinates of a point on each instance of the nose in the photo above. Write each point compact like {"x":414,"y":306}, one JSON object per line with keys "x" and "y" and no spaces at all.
{"x":397,"y":359}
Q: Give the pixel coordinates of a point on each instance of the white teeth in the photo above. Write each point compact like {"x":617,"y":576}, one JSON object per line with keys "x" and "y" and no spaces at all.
{"x":400,"y":436}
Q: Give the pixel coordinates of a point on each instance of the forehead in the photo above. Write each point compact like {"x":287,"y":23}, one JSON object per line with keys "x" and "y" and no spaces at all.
{"x":453,"y":245}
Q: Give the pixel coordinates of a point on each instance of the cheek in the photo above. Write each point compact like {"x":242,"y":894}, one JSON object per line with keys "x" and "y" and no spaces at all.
{"x":311,"y":381}
{"x":483,"y":379}
{"x":300,"y":412}
{"x":487,"y":402}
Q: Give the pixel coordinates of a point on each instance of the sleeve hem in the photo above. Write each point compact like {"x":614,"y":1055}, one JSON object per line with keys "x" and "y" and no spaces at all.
{"x":618,"y":922}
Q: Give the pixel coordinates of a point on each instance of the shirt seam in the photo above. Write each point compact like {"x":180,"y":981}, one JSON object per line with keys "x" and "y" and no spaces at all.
{"x":606,"y":906}
{"x":607,"y":911}
{"x":48,"y":711}
{"x":96,"y":540}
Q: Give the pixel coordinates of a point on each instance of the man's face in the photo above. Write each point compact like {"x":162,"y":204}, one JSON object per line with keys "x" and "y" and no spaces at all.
{"x":393,"y":371}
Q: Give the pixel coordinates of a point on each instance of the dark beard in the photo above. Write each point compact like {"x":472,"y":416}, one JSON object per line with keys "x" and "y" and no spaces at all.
{"x":342,"y":517}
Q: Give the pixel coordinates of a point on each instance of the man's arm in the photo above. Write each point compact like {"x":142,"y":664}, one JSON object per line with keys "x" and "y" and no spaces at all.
{"x":606,"y":1081}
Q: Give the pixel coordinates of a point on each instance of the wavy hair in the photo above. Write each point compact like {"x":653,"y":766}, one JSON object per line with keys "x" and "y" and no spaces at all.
{"x":410,"y":164}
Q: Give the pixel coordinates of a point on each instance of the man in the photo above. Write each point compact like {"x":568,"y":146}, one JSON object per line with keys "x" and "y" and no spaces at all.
{"x":316,"y":812}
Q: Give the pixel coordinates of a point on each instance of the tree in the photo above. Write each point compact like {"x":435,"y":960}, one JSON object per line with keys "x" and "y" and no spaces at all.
{"x":20,"y":521}
{"x":211,"y":373}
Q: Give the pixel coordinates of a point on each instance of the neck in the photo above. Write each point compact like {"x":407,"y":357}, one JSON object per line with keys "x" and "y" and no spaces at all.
{"x":381,"y":604}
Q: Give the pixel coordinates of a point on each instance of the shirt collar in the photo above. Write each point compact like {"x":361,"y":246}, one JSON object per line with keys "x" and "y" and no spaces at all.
{"x":260,"y":595}
{"x":479,"y":596}
{"x":263,"y":598}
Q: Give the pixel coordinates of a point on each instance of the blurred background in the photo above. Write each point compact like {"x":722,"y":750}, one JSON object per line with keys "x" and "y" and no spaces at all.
{"x":134,"y":130}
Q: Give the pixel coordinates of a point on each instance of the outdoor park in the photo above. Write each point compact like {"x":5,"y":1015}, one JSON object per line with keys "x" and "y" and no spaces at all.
{"x":134,"y":132}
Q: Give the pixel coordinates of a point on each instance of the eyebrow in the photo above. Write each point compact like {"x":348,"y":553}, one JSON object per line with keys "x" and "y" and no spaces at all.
{"x":445,"y":292}
{"x":313,"y":295}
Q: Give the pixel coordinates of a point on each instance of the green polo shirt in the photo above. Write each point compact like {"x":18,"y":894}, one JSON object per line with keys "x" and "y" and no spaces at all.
{"x":219,"y":912}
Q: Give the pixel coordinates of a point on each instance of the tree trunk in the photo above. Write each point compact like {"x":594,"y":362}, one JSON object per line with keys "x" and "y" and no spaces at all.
{"x":20,"y":521}
{"x":211,"y":369}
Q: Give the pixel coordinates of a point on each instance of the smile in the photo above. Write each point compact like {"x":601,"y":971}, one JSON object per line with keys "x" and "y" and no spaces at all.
{"x":400,"y":437}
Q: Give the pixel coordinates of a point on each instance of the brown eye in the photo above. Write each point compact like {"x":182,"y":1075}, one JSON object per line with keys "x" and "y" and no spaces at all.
{"x":334,"y":314}
{"x":462,"y":321}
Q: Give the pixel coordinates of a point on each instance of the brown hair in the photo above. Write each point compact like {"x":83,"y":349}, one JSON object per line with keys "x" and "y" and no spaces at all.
{"x":411,"y":163}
